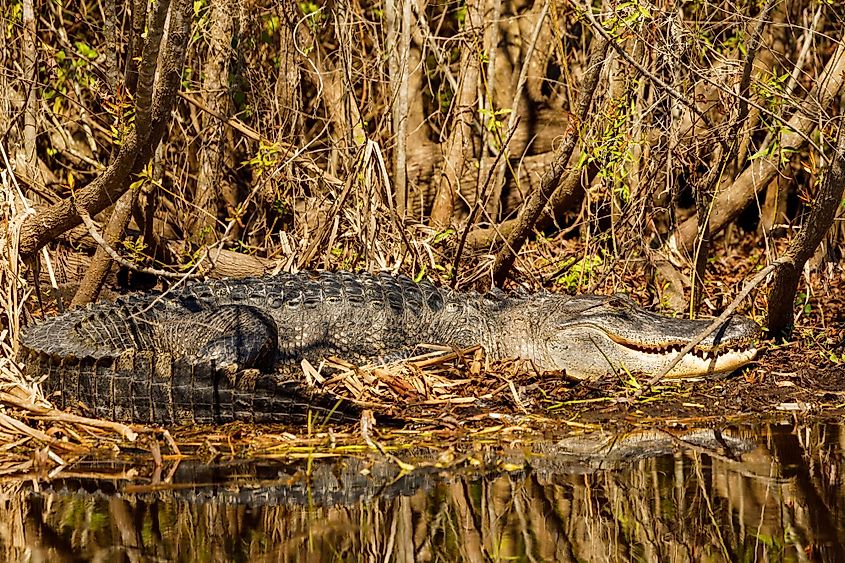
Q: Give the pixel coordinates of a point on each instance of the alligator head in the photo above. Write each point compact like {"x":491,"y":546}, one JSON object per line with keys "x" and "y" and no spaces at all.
{"x":591,"y":336}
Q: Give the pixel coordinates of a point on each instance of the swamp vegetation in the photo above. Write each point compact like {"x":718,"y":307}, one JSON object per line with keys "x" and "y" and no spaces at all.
{"x":688,"y":153}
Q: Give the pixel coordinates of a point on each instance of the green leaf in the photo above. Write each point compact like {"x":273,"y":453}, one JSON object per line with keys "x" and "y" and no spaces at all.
{"x":443,"y":235}
{"x":86,"y":50}
{"x":764,"y":152}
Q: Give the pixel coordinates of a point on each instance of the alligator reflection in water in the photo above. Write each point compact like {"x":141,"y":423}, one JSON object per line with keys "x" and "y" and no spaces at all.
{"x":768,"y":492}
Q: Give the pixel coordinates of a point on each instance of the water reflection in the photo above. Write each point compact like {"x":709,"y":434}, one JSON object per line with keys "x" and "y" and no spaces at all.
{"x":767,"y":493}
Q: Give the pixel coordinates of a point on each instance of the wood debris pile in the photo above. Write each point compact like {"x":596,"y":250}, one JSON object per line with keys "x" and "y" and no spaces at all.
{"x":440,"y":382}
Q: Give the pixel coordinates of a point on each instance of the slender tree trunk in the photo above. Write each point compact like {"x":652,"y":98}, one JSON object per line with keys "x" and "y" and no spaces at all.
{"x":136,"y":44}
{"x":487,"y":193}
{"x":288,"y":82}
{"x":351,"y":121}
{"x":216,"y":97}
{"x":27,"y":160}
{"x":6,"y":104}
{"x":398,"y":17}
{"x":459,"y":145}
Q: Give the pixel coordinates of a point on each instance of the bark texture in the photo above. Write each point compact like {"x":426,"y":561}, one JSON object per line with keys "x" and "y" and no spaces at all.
{"x":815,"y":227}
{"x":216,"y":97}
{"x":459,"y":148}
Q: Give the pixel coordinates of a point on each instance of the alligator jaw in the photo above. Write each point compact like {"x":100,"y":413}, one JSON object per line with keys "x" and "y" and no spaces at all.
{"x":613,"y":338}
{"x":695,"y":364}
{"x":712,"y":355}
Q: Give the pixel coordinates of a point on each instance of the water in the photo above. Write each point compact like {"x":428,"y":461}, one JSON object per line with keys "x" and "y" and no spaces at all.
{"x":768,"y":492}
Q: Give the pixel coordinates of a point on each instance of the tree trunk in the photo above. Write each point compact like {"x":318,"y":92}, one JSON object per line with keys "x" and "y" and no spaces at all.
{"x":216,"y":96}
{"x":288,"y":81}
{"x":27,"y":160}
{"x":788,"y":275}
{"x":398,"y":17}
{"x":459,"y":146}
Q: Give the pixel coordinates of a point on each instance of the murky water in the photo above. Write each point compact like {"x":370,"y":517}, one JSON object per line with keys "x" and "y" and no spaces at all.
{"x":770,"y":492}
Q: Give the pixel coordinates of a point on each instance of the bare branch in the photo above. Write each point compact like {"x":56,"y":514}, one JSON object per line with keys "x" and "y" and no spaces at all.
{"x":532,"y":210}
{"x":732,"y":200}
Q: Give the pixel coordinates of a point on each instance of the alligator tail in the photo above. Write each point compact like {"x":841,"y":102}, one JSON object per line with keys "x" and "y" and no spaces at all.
{"x":150,"y":388}
{"x":58,"y":337}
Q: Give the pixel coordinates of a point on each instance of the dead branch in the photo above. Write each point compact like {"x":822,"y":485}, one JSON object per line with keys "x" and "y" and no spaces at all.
{"x":732,"y":200}
{"x":532,"y":210}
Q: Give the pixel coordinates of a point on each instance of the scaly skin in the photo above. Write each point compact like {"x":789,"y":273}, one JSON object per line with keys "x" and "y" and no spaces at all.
{"x":231,"y":349}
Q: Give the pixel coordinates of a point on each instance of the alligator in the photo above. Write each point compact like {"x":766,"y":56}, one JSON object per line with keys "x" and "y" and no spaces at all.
{"x":223,"y":350}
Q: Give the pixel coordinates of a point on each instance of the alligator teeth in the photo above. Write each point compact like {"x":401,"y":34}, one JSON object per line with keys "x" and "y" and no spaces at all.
{"x":706,"y":355}
{"x":737,"y":348}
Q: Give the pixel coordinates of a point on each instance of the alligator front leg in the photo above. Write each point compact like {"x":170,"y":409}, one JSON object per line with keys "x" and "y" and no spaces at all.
{"x":229,"y":372}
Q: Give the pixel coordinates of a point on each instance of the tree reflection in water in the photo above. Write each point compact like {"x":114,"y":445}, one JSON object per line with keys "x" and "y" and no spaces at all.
{"x":766,"y":493}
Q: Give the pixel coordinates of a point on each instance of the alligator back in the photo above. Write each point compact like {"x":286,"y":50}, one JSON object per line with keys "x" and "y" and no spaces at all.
{"x":357,"y":316}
